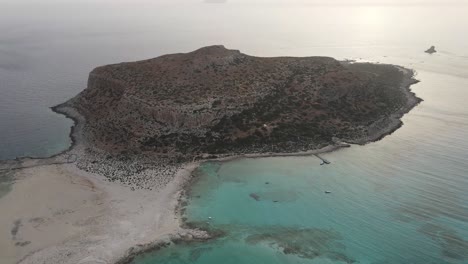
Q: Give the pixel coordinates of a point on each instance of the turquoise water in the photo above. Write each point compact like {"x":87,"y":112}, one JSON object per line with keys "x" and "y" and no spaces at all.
{"x":399,"y":200}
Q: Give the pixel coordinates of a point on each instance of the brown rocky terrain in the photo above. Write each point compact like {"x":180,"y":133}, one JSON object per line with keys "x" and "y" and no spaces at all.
{"x":218,"y":101}
{"x":215,"y":100}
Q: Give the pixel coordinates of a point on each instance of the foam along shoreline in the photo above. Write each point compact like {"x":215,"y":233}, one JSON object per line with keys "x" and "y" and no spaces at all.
{"x":59,"y":213}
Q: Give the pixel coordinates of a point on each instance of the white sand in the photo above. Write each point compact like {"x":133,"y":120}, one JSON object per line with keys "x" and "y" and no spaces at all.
{"x":70,"y":216}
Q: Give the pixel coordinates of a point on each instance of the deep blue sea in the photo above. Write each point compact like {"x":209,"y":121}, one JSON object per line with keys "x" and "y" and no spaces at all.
{"x":403,"y":199}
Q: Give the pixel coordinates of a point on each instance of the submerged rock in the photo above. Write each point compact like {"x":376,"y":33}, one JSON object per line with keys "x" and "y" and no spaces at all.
{"x":255,"y":196}
{"x":453,"y":245}
{"x":308,"y":243}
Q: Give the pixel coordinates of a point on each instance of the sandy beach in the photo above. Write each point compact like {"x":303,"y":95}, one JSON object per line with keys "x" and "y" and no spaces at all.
{"x":60,"y":214}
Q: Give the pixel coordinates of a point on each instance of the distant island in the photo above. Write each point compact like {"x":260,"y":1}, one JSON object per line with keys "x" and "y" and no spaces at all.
{"x":142,"y":127}
{"x":431,"y":50}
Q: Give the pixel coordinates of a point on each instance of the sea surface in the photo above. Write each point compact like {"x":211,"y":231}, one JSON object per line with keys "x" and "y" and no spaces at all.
{"x":403,"y":199}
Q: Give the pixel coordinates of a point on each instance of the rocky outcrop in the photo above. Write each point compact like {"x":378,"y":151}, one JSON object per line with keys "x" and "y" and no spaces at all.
{"x":215,"y":100}
{"x":431,"y":50}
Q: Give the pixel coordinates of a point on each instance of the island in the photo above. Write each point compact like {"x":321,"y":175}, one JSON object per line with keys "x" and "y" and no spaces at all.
{"x":215,"y":102}
{"x":431,"y":50}
{"x":142,"y":127}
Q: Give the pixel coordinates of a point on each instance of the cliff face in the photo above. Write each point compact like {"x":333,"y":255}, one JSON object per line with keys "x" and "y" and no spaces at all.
{"x":218,"y":100}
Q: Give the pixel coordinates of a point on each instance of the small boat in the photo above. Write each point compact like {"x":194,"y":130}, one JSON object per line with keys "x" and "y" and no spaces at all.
{"x":327,"y":191}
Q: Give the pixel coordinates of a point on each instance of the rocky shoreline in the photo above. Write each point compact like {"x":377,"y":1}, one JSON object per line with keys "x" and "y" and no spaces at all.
{"x":391,"y":123}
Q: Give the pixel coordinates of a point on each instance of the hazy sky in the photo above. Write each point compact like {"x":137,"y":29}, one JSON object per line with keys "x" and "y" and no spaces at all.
{"x":321,"y":2}
{"x":353,"y":2}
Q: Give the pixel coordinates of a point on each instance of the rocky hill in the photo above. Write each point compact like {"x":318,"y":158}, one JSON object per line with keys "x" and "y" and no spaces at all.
{"x":215,"y":100}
